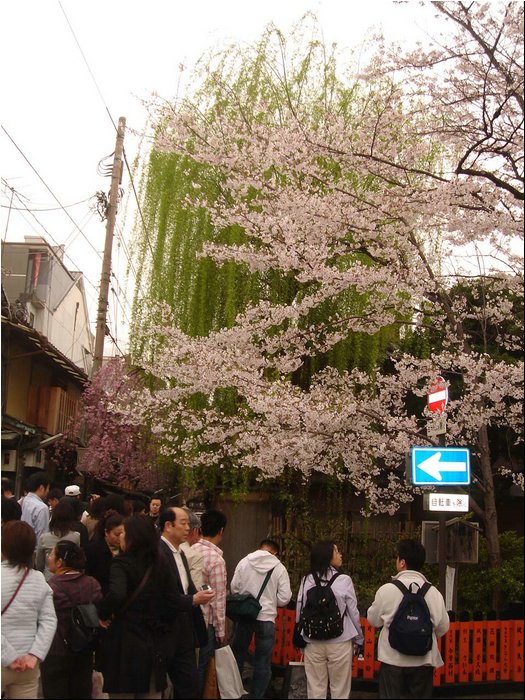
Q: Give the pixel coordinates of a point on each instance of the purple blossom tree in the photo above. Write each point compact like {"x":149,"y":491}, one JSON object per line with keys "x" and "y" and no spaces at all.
{"x":118,"y":448}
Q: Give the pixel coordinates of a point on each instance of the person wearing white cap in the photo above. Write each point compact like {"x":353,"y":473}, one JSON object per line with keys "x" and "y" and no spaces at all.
{"x":72,"y":496}
{"x":72,"y":490}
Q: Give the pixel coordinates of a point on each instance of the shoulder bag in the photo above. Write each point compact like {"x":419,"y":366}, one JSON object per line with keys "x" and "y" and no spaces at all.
{"x":26,"y":572}
{"x":244,"y":607}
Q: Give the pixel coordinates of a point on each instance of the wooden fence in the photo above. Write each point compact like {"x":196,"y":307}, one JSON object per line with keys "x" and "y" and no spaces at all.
{"x":473,"y":652}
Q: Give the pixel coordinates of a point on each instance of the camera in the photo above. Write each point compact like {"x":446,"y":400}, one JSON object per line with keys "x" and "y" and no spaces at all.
{"x":205,"y":587}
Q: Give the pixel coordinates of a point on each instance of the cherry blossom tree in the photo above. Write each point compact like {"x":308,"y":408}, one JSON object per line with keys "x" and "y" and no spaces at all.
{"x":117,"y":449}
{"x":402,"y":186}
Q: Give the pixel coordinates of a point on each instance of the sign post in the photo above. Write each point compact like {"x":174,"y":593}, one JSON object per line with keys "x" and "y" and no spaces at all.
{"x":437,"y":402}
{"x":437,"y":397}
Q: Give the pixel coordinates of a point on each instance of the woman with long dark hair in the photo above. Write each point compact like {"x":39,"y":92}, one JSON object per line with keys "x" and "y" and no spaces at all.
{"x":60,"y":528}
{"x":67,"y":674}
{"x":137,"y":609}
{"x":328,"y":662}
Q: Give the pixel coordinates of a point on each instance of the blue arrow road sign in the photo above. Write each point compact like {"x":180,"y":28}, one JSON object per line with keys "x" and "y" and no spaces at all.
{"x":440,"y":465}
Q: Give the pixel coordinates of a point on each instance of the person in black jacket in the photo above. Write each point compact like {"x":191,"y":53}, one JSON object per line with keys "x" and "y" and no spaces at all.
{"x":103,"y":547}
{"x":189,"y":629}
{"x":137,"y":611}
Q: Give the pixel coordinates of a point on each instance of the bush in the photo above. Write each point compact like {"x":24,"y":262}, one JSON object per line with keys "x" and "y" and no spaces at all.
{"x":477,"y":582}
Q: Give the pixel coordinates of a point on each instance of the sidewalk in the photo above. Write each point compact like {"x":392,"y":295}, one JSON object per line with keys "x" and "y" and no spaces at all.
{"x":486,"y":691}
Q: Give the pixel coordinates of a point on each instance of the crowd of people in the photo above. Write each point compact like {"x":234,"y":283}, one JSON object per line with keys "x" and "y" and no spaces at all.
{"x":156,"y":575}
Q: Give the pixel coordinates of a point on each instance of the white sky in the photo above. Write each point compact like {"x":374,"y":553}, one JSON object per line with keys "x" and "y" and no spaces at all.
{"x":53,"y":112}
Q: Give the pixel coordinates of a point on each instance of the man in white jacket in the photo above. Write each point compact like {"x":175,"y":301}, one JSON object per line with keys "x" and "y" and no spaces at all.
{"x":248,"y":578}
{"x":401,"y":675}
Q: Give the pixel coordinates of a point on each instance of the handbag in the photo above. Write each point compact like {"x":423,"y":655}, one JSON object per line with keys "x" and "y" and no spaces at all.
{"x":228,"y":676}
{"x":244,"y":607}
{"x":26,"y":572}
{"x":298,"y":640}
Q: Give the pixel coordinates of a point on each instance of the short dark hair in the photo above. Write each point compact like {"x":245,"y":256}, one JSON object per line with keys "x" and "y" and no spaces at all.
{"x":138,"y":506}
{"x":7,"y":485}
{"x":270,"y":543}
{"x":413,"y":552}
{"x":166,"y":516}
{"x":108,"y":522}
{"x":321,"y":556}
{"x":111,"y":521}
{"x":11,"y":509}
{"x":212,"y":522}
{"x":55,"y":493}
{"x":18,"y":543}
{"x":114,"y":501}
{"x":71,"y":554}
{"x":35,"y":481}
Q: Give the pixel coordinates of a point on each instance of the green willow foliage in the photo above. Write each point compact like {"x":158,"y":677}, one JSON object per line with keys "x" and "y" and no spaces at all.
{"x":203,"y":295}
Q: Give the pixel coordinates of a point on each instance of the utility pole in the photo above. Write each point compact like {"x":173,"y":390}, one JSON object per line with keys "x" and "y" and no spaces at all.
{"x":116,"y":179}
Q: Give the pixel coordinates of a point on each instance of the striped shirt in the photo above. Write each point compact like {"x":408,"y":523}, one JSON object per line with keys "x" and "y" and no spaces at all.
{"x":214,"y":574}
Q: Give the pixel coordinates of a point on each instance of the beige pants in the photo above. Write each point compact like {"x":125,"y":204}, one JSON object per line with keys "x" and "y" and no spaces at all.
{"x":20,"y":684}
{"x":328,"y":663}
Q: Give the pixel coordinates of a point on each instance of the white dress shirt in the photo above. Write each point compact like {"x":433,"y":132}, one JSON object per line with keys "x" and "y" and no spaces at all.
{"x":180,"y":565}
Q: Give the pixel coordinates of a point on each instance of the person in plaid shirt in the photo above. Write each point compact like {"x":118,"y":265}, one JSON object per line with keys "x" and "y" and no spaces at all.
{"x":213,"y":523}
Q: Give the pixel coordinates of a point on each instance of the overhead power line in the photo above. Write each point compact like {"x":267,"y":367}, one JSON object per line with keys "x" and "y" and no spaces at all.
{"x":49,"y":189}
{"x":66,"y":206}
{"x":76,"y":267}
{"x":135,"y":195}
{"x":89,"y":68}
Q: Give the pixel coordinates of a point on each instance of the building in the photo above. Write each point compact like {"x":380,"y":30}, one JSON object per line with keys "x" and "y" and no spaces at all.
{"x":47,"y":350}
{"x":48,"y":297}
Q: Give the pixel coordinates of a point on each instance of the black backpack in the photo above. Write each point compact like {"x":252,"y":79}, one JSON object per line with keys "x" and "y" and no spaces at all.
{"x":320,"y":617}
{"x":83,"y":628}
{"x":410,"y":632}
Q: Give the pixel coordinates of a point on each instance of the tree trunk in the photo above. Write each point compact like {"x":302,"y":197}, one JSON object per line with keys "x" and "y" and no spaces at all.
{"x":490,"y":511}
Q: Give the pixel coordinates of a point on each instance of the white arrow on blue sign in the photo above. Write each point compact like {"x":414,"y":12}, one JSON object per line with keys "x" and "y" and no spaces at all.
{"x":440,"y":465}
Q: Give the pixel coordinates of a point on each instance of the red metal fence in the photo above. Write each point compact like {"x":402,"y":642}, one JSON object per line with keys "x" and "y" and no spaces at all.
{"x":490,"y":650}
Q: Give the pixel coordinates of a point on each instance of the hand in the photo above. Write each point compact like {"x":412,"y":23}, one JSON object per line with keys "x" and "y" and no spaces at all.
{"x":26,"y":662}
{"x":203,"y":597}
{"x":104,"y":623}
{"x":17,"y":664}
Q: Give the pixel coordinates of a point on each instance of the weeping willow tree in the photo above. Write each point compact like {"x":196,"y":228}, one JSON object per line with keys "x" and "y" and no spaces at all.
{"x":169,"y":237}
{"x":202,"y":295}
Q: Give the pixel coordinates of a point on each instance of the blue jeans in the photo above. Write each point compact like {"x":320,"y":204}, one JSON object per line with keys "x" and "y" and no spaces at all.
{"x":262,"y":658}
{"x":205,"y":654}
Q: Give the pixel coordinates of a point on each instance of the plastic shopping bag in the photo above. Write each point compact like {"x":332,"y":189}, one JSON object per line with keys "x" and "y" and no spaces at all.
{"x":228,"y":676}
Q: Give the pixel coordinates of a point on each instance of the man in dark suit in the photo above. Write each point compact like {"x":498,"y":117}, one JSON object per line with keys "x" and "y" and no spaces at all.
{"x":189,"y":629}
